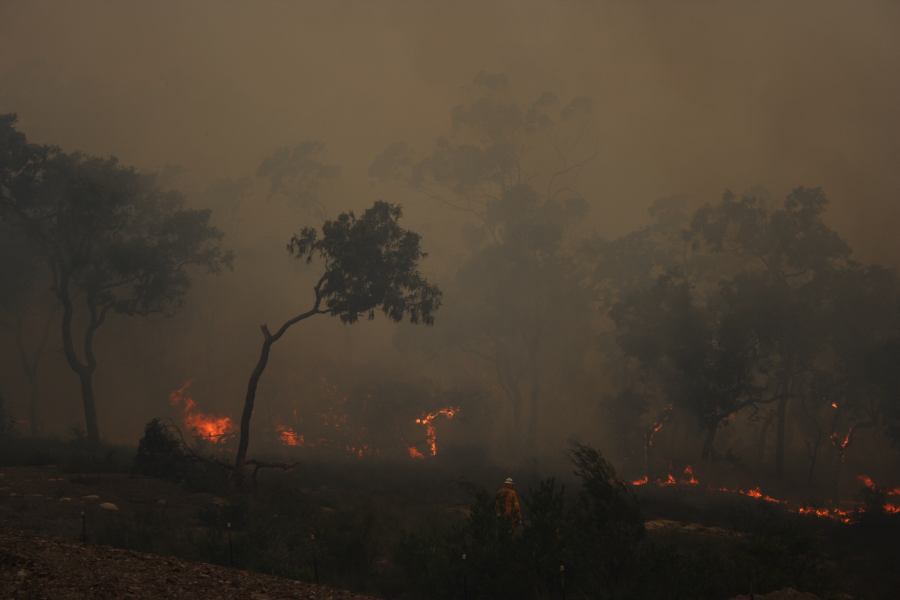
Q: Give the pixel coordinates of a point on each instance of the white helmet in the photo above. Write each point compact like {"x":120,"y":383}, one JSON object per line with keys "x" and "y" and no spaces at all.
{"x":508,"y":481}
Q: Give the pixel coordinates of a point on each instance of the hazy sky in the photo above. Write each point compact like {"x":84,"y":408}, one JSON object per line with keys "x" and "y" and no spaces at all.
{"x":692,"y":96}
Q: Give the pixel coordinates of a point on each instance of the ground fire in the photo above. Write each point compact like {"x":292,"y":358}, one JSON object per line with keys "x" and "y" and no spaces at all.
{"x":208,"y":427}
{"x":288,"y":436}
{"x":427,"y":421}
{"x":842,"y":515}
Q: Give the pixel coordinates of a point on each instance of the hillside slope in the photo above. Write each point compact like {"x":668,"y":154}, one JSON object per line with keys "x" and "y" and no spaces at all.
{"x":36,"y":567}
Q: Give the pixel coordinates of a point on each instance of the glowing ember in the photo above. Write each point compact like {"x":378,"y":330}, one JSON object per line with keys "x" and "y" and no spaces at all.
{"x":642,"y":481}
{"x":657,"y":426}
{"x":427,"y":421}
{"x":208,"y":427}
{"x":836,"y":514}
{"x":834,"y":405}
{"x":414,"y":453}
{"x":288,"y":436}
{"x":689,"y":476}
{"x":893,"y":509}
{"x":668,"y":481}
{"x":842,"y":443}
{"x":866,"y":481}
{"x":757,"y":493}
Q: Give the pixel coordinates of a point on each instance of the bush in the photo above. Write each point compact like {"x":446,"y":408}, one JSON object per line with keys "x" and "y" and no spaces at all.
{"x":160,"y":453}
{"x":594,"y":535}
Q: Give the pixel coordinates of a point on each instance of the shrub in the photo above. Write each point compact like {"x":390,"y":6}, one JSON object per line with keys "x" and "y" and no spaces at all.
{"x":160,"y":453}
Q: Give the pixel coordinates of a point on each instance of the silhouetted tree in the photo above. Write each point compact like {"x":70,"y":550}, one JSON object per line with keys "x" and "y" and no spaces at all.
{"x":23,"y":308}
{"x":370,"y":263}
{"x":299,"y":172}
{"x":787,"y":254}
{"x":114,"y":241}
{"x":511,"y":165}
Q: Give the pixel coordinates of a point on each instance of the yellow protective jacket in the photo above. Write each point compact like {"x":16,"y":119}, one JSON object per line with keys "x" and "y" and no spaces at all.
{"x":507,"y":503}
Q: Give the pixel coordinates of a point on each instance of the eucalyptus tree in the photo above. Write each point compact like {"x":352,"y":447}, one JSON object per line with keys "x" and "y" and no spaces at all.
{"x":114,"y":242}
{"x":368,"y":264}
{"x":509,"y":168}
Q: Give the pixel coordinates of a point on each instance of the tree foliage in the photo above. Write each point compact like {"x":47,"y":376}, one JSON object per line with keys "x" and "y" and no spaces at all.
{"x":110,"y":236}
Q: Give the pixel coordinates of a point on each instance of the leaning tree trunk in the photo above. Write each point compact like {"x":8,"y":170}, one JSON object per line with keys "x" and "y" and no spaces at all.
{"x":250,"y":401}
{"x":269,"y":339}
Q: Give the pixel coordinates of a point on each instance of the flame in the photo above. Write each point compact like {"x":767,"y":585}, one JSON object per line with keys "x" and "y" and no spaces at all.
{"x":834,"y":405}
{"x":658,"y":425}
{"x":427,"y":421}
{"x":208,"y":427}
{"x":842,"y":443}
{"x":689,"y":473}
{"x":757,"y":493}
{"x":414,"y":453}
{"x":840,"y":515}
{"x":836,"y":514}
{"x":668,"y":481}
{"x":288,"y":436}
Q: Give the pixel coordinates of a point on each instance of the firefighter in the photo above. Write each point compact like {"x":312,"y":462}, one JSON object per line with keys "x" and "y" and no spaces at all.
{"x":507,"y":503}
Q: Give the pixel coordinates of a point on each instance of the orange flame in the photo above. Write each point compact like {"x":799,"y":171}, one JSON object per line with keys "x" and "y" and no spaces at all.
{"x":208,"y":427}
{"x":288,"y":436}
{"x":834,"y":405}
{"x":427,"y":420}
{"x":414,"y":453}
{"x":840,"y":515}
{"x":668,"y":481}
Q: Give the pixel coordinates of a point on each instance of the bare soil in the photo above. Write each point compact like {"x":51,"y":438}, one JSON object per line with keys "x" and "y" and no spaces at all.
{"x":42,"y":556}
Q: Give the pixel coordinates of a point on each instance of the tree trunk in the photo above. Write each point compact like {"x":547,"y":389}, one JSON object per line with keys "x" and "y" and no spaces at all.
{"x":30,"y":364}
{"x":84,"y":370}
{"x":90,"y":409}
{"x":33,"y":399}
{"x":250,"y":400}
{"x":780,"y":434}
{"x":813,"y":453}
{"x":533,"y":414}
{"x":763,"y":437}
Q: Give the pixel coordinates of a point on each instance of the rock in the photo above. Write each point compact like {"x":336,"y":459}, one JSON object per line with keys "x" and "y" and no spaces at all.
{"x":65,"y":499}
{"x":108,"y":506}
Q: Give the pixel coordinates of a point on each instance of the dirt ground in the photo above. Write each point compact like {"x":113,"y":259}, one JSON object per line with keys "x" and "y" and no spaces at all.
{"x":37,"y":501}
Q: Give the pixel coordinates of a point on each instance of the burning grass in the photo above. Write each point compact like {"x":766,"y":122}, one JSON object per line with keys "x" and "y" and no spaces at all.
{"x":847,"y":514}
